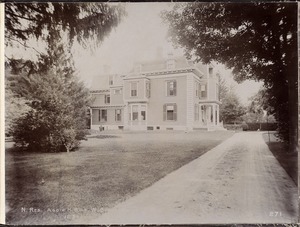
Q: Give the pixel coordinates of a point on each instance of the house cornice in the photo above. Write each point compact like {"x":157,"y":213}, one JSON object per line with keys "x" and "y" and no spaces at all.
{"x":108,"y":106}
{"x":209,"y":102}
{"x":99,"y":91}
{"x":173,"y":71}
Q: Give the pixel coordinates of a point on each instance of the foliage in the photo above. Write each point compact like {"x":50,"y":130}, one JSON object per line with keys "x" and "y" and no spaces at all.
{"x":58,"y":104}
{"x":231,"y":109}
{"x":48,"y":23}
{"x":256,"y":40}
{"x":58,"y":101}
{"x":245,"y":126}
{"x":15,"y":106}
{"x":259,"y":109}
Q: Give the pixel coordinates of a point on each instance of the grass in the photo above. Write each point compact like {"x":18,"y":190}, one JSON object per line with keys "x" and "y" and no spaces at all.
{"x":106,"y":170}
{"x":288,"y":160}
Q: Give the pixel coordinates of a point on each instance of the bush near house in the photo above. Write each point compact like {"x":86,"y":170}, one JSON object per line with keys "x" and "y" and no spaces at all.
{"x":233,"y":127}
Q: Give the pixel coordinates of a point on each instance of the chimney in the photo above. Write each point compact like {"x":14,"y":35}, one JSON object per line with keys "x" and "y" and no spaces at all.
{"x":159,"y":52}
{"x":170,"y":55}
{"x":106,"y":69}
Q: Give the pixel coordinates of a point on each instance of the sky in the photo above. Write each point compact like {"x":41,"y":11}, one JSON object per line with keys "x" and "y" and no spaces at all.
{"x":137,"y":37}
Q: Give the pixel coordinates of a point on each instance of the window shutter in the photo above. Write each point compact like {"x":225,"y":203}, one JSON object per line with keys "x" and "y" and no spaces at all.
{"x":175,"y":112}
{"x":115,"y":115}
{"x":99,"y":115}
{"x":165,"y":112}
{"x":175,"y":88}
{"x":205,"y":93}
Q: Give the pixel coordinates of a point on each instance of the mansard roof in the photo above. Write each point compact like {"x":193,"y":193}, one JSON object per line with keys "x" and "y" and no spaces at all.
{"x":161,"y":64}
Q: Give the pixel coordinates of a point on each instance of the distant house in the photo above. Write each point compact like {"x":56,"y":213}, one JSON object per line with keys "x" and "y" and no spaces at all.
{"x":166,"y":94}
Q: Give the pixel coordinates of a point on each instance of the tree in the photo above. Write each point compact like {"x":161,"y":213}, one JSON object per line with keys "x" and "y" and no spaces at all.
{"x":231,"y":109}
{"x":49,"y":23}
{"x":15,"y":106}
{"x":256,"y":40}
{"x":259,"y":110}
{"x":58,"y":101}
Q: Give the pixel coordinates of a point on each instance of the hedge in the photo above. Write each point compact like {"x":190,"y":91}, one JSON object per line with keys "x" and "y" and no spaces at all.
{"x":252,"y":126}
{"x":262,"y":126}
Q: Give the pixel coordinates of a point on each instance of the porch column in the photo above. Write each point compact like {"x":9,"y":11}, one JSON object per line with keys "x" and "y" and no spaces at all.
{"x":200,"y":114}
{"x":125,"y":116}
{"x":218,"y":114}
{"x":208,"y":114}
{"x":131,"y":115}
{"x":214,"y":114}
{"x":91,"y":117}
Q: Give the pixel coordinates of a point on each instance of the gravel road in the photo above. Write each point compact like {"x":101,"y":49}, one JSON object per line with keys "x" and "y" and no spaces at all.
{"x":239,"y":181}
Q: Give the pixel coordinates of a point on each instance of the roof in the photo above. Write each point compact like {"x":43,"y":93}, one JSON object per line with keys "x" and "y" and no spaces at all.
{"x":148,"y":68}
{"x":101,"y":82}
{"x":157,"y":65}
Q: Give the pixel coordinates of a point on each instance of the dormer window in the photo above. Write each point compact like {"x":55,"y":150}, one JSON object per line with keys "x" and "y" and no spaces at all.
{"x":111,"y":80}
{"x":171,"y":64}
{"x":210,"y":71}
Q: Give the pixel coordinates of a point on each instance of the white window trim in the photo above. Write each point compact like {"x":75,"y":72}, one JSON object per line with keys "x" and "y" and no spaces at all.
{"x":101,"y":118}
{"x":166,"y":88}
{"x":137,"y":88}
{"x":116,"y":115}
{"x":173,"y":111}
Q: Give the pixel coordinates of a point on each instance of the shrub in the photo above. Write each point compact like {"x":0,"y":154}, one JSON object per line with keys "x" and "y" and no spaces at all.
{"x":244,"y":126}
{"x":57,"y":119}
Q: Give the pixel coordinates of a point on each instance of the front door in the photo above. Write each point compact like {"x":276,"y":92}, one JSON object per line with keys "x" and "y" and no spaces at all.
{"x":137,"y":116}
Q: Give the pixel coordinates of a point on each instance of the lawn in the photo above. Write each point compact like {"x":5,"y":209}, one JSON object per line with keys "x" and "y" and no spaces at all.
{"x":289,"y":161}
{"x":60,"y":188}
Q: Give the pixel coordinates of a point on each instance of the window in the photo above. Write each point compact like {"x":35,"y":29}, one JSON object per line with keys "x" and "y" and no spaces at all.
{"x":107,"y":99}
{"x":118,"y":91}
{"x":103,"y":115}
{"x":135,"y":113}
{"x":148,"y":89}
{"x":143,"y":113}
{"x":170,"y":112}
{"x":196,"y":112}
{"x":171,"y":88}
{"x":203,"y":90}
{"x":118,"y":114}
{"x":111,"y":80}
{"x":133,"y":89}
{"x":210,"y":71}
{"x":129,"y":113}
{"x":197,"y":89}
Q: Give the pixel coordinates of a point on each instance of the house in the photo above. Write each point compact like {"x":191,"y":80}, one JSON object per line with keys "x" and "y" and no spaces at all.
{"x":165,"y":94}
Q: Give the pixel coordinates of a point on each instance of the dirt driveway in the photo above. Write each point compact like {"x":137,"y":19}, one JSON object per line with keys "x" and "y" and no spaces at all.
{"x":239,"y":181}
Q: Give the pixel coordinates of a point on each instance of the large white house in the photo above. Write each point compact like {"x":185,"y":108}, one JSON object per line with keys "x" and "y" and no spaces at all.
{"x":165,"y":94}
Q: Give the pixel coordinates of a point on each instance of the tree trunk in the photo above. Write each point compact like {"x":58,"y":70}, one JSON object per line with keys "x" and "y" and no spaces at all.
{"x":293,"y":105}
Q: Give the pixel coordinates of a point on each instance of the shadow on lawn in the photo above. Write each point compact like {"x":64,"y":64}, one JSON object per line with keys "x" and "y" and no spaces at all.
{"x":288,"y":160}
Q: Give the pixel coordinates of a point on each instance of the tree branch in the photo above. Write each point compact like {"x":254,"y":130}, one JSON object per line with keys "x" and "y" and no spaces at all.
{"x":24,"y":45}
